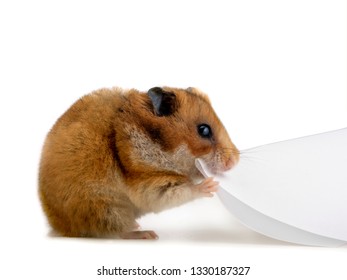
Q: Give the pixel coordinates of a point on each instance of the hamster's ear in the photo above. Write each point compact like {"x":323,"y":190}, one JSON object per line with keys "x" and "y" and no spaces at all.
{"x":190,"y":89}
{"x":164,"y":102}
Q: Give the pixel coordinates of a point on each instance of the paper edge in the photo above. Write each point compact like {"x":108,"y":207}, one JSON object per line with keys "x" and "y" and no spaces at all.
{"x":278,"y":230}
{"x":299,"y":236}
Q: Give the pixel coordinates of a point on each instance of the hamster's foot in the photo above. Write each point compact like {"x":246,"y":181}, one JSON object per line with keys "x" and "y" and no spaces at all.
{"x":207,"y":187}
{"x":146,"y":234}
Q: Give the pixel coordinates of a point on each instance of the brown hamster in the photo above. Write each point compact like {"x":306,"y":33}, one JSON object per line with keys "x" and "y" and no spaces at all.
{"x":115,"y":155}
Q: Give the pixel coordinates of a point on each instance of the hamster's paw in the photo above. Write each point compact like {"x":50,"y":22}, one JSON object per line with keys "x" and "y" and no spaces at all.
{"x":207,"y":187}
{"x":146,"y":234}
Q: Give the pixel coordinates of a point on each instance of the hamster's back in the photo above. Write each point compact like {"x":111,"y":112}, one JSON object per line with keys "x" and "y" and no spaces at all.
{"x":77,"y":157}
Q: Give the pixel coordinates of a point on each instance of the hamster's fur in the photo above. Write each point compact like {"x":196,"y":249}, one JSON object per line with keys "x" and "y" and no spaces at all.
{"x":115,"y":155}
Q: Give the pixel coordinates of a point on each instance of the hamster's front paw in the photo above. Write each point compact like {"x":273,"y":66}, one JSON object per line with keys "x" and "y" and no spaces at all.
{"x":207,"y":187}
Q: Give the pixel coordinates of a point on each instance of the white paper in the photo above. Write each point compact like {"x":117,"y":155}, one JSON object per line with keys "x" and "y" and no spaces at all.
{"x":294,"y":190}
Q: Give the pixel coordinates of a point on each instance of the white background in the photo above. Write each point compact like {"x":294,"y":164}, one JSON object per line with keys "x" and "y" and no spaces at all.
{"x":273,"y":70}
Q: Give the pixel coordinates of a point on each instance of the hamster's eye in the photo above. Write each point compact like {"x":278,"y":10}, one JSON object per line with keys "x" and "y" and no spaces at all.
{"x":205,"y":130}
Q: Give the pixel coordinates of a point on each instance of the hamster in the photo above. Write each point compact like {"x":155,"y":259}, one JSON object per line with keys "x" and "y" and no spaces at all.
{"x":116,"y":155}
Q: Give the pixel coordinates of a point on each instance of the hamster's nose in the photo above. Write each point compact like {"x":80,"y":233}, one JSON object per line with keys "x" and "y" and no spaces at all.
{"x":231,"y":161}
{"x":229,"y":164}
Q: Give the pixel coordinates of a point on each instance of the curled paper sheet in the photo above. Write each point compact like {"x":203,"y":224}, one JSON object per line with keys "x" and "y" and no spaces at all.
{"x":295,"y":190}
